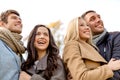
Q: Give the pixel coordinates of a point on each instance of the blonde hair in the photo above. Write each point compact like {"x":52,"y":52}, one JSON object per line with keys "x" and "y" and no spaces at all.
{"x":73,"y":32}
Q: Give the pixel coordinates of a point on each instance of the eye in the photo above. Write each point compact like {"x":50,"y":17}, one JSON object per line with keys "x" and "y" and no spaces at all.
{"x":82,"y":24}
{"x":46,"y":34}
{"x":14,"y":17}
{"x":99,"y":16}
{"x":38,"y":33}
{"x":92,"y":18}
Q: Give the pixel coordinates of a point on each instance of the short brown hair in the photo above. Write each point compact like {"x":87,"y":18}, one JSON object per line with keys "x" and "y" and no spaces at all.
{"x":4,"y":15}
{"x":84,"y":14}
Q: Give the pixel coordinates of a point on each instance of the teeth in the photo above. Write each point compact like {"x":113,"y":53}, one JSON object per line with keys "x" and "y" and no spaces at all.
{"x":41,"y":42}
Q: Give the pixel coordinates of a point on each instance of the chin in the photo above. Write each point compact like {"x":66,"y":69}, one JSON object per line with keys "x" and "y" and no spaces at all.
{"x":19,"y":31}
{"x":100,"y":31}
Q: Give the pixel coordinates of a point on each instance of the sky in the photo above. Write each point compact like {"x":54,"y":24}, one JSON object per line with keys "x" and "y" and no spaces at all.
{"x":45,"y":11}
{"x":35,"y":12}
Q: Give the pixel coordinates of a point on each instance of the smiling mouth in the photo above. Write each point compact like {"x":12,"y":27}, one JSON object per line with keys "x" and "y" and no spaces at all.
{"x":99,"y":26}
{"x":41,"y":42}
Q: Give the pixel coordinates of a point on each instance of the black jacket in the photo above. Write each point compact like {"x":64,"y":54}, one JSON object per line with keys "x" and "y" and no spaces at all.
{"x":109,"y":46}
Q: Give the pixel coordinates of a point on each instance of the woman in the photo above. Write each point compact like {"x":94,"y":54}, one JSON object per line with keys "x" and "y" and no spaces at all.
{"x":82,"y":61}
{"x":43,"y":62}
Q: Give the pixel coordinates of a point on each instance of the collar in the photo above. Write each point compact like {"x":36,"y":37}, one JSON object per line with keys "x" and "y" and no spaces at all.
{"x":98,"y":37}
{"x":42,"y":63}
{"x":39,"y":65}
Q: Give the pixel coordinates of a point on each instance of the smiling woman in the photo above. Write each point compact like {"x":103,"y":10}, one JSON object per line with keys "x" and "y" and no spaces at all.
{"x":43,"y":60}
{"x":80,"y":56}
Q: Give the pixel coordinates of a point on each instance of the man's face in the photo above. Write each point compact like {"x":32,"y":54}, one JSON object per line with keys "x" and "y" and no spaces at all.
{"x":0,"y":23}
{"x":95,"y":23}
{"x":14,"y":23}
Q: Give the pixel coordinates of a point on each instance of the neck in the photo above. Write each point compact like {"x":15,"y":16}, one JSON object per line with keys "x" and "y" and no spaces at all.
{"x":41,"y":54}
{"x":97,"y":33}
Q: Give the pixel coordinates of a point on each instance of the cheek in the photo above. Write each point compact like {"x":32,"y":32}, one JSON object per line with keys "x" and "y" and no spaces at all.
{"x":80,"y":33}
{"x":90,"y":24}
{"x":35,"y":41}
{"x":80,"y":30}
{"x":48,"y":41}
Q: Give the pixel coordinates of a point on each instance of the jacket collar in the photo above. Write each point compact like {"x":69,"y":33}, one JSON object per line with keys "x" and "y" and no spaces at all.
{"x":91,"y":53}
{"x":39,"y":65}
{"x":42,"y":63}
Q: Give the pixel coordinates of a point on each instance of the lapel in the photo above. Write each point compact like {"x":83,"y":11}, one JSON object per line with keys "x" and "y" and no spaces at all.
{"x":88,"y":52}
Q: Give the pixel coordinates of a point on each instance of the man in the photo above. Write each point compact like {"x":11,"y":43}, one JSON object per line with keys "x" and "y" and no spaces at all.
{"x":0,"y":22}
{"x":10,"y":45}
{"x":107,"y":42}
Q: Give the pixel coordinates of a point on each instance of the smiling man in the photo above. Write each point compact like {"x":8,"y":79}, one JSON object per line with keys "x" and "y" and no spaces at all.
{"x":107,"y":42}
{"x":10,"y":45}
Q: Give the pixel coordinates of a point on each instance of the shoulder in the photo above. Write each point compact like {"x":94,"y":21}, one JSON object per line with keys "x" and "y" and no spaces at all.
{"x":2,"y":44}
{"x":71,"y":46}
{"x":60,"y":62}
{"x":114,"y":35}
{"x":72,"y":43}
{"x":4,"y":47}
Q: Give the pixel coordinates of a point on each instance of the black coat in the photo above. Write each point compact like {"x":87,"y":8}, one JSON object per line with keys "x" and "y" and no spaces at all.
{"x":109,"y":46}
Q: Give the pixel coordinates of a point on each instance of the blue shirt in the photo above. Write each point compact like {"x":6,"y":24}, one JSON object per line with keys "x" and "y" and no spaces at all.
{"x":9,"y":63}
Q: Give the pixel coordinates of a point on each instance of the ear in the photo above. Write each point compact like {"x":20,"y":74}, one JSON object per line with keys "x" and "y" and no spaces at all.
{"x":1,"y":23}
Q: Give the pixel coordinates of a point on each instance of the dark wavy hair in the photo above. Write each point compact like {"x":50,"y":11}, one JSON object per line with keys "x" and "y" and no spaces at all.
{"x":52,"y":52}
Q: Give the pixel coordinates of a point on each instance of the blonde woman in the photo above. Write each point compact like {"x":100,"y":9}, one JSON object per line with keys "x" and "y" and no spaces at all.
{"x":80,"y":56}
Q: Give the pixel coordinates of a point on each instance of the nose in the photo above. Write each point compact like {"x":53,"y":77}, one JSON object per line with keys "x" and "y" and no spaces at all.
{"x":41,"y":36}
{"x":87,"y":27}
{"x":98,"y":20}
{"x":19,"y":20}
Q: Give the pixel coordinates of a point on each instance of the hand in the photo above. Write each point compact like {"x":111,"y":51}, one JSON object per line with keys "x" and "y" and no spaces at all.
{"x":114,"y":64}
{"x":24,"y":76}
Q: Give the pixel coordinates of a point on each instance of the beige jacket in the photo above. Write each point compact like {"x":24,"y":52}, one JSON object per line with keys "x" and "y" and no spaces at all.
{"x":84,"y":62}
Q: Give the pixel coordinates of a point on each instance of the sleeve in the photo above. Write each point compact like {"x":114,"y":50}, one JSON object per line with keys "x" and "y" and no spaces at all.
{"x":37,"y":77}
{"x":60,"y":72}
{"x":77,"y":67}
{"x":116,"y":46}
{"x":9,"y":63}
{"x":116,"y":53}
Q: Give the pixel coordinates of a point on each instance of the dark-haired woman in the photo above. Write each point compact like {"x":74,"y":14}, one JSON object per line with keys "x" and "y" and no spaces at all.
{"x":43,"y":62}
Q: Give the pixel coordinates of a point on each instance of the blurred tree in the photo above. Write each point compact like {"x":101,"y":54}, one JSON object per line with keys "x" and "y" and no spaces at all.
{"x":56,"y":31}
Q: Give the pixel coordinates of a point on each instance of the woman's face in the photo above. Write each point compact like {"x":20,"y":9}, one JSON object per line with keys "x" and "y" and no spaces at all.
{"x":41,"y":39}
{"x":84,"y":30}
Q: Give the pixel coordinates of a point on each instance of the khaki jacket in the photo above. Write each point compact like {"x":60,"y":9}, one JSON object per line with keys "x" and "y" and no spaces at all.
{"x":83,"y":62}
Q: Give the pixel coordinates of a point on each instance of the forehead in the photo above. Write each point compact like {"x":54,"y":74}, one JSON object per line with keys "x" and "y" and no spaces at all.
{"x":42,"y":29}
{"x":13,"y":15}
{"x":80,"y":21}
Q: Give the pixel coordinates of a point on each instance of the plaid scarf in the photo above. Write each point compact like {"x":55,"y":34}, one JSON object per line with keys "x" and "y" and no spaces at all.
{"x":12,"y":40}
{"x":96,"y":38}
